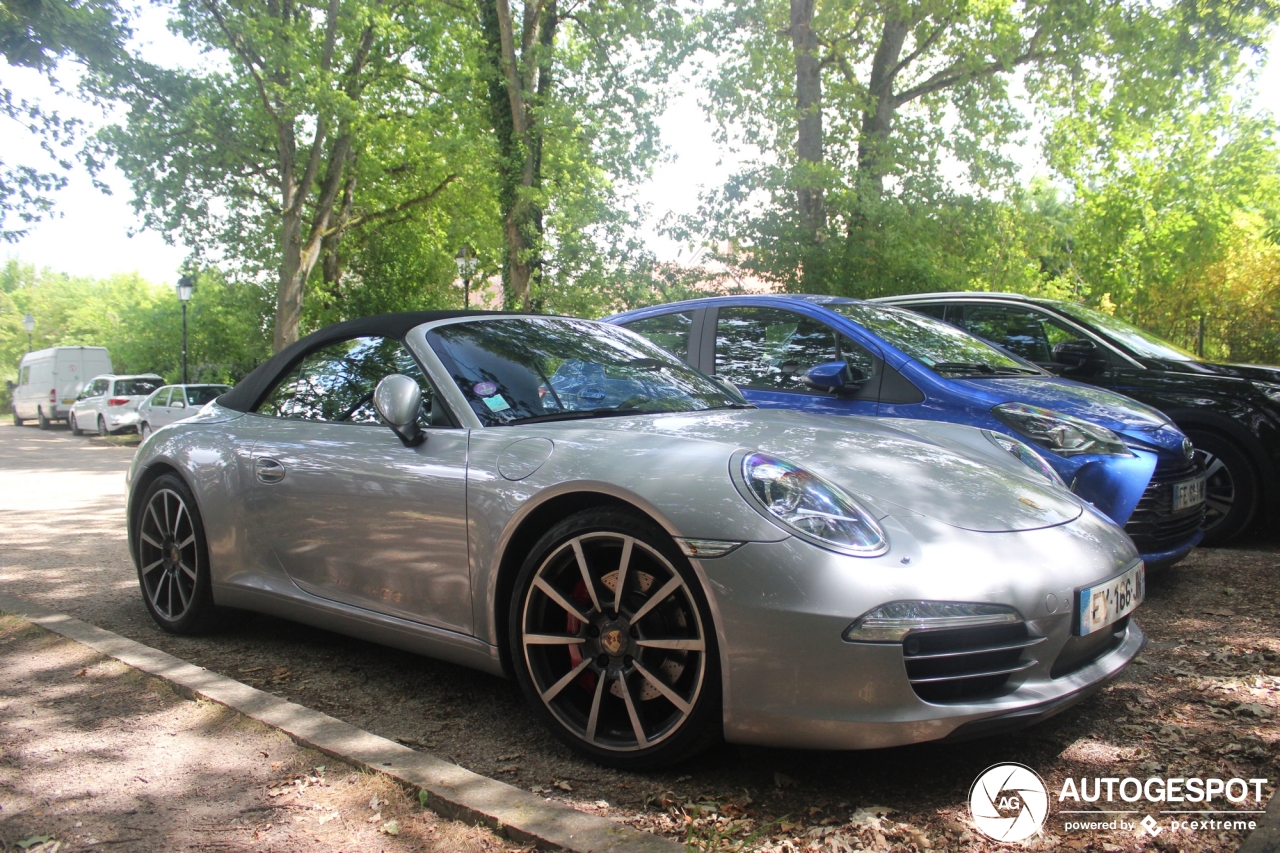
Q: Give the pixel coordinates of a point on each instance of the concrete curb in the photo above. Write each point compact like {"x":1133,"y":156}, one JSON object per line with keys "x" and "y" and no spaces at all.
{"x":1266,"y":838}
{"x":452,"y":791}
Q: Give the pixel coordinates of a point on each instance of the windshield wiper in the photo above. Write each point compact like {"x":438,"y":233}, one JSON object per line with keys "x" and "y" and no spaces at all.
{"x":579,"y":414}
{"x":968,"y":366}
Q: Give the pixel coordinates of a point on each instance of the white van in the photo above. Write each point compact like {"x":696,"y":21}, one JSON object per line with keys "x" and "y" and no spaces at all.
{"x":50,"y":380}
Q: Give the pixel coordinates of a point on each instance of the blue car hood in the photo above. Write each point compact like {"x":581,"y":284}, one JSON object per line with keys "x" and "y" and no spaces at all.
{"x":1095,"y":405}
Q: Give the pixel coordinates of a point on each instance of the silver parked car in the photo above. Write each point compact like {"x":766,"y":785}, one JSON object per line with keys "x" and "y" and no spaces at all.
{"x":655,"y":561}
{"x":173,"y":403}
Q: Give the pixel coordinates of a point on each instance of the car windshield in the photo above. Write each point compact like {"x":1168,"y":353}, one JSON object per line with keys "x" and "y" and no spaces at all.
{"x":940,"y":346}
{"x":198,"y":395}
{"x":556,"y":368}
{"x":136,"y":387}
{"x":1140,"y":342}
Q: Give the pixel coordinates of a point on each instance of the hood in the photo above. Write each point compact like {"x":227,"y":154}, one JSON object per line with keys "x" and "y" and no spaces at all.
{"x":1095,"y":405}
{"x":1256,"y":372}
{"x":894,"y":472}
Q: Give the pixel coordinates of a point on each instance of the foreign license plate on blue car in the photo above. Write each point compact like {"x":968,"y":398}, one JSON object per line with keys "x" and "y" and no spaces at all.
{"x":1188,"y":493}
{"x":1102,"y":604}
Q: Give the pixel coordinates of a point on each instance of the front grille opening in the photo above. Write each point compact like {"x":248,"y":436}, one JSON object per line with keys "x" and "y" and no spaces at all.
{"x":1154,"y":526}
{"x":964,"y":664}
{"x":1079,"y":652}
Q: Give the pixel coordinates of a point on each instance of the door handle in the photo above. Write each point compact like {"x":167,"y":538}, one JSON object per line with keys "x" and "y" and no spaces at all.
{"x":268,"y":470}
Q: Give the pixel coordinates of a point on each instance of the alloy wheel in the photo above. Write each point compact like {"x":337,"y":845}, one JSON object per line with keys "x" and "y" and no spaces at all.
{"x":1220,"y":489}
{"x":102,"y":426}
{"x":169,"y":556}
{"x":613,"y":641}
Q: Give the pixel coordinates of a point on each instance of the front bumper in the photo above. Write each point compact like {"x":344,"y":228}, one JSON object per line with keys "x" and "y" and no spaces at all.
{"x":790,"y":679}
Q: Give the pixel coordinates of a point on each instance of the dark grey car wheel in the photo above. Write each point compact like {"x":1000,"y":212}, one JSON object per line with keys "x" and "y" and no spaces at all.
{"x":1231,"y":487}
{"x":17,"y":420}
{"x":41,"y":419}
{"x":172,"y":557}
{"x":102,"y":426}
{"x":75,"y":427}
{"x":613,"y":643}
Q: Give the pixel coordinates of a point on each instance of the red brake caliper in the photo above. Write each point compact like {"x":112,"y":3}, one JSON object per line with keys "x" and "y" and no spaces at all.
{"x":587,"y":681}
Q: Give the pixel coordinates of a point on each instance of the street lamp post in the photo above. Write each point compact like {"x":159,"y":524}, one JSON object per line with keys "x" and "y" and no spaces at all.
{"x":467,"y":264}
{"x":186,"y":285}
{"x":29,"y":323}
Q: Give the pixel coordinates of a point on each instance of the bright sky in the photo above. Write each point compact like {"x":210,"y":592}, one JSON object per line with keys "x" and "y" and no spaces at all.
{"x":98,"y":234}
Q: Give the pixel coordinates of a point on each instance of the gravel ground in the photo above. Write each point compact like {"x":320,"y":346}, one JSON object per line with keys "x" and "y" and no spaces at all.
{"x":1201,"y":701}
{"x":95,"y":755}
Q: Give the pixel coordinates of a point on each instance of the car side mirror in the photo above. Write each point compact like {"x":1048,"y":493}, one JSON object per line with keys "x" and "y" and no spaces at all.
{"x":8,"y":383}
{"x":398,"y":400}
{"x":178,"y":404}
{"x":1076,"y":354}
{"x":836,"y":377}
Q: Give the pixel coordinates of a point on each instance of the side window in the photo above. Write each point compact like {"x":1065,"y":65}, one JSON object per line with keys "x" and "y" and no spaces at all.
{"x":669,"y":331}
{"x":25,"y":377}
{"x":336,"y":383}
{"x":96,"y":388}
{"x":162,"y":397}
{"x":938,"y":312}
{"x":1027,"y":332}
{"x":771,"y":349}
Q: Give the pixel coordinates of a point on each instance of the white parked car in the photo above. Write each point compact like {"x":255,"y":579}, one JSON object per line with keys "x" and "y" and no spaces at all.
{"x":110,"y":403}
{"x":50,"y":380}
{"x":173,"y":403}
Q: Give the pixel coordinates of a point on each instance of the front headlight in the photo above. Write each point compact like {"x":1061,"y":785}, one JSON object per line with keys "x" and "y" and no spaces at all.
{"x":1063,"y":434}
{"x":1025,"y":455}
{"x":889,"y":623}
{"x":1269,"y":390}
{"x":811,"y":507}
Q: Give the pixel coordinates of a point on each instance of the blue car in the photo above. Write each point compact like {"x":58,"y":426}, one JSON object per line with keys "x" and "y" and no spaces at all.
{"x":848,"y":357}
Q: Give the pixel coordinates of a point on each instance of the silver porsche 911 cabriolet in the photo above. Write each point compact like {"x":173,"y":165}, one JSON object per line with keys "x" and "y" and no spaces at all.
{"x":656,"y":562}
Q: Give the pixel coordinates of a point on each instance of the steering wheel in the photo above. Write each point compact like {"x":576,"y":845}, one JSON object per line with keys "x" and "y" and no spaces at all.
{"x":364,"y":398}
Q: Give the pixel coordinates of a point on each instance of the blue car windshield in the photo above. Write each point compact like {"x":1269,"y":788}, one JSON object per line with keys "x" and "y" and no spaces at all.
{"x":940,"y":346}
{"x":556,"y":368}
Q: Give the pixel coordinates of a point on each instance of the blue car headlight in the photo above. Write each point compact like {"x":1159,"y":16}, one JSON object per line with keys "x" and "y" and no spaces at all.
{"x":1025,"y":455}
{"x":1063,"y":434}
{"x":810,"y":507}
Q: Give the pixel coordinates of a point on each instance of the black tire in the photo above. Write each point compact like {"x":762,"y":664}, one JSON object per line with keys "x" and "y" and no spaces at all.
{"x":41,"y":419}
{"x":17,"y":421}
{"x":1232,"y":489}
{"x":102,"y":427}
{"x":144,"y":430}
{"x":71,"y":422}
{"x":663,"y":703}
{"x":172,"y":558}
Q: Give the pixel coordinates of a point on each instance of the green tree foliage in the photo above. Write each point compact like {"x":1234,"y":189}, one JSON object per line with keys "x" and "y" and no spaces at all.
{"x":859,"y":107}
{"x":37,"y":34}
{"x":309,"y":120}
{"x":573,"y":91}
{"x":140,"y":324}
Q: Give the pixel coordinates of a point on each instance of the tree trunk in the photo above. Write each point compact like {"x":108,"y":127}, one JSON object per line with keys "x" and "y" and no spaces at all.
{"x":874,"y":142}
{"x":511,"y":90}
{"x":804,"y":43}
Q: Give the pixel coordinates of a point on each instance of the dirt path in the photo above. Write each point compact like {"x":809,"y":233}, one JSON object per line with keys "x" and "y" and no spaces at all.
{"x":94,"y":755}
{"x":1203,"y":701}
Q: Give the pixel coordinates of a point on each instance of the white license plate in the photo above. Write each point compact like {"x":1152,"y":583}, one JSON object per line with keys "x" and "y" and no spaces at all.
{"x":1188,"y":493}
{"x":1104,"y":603}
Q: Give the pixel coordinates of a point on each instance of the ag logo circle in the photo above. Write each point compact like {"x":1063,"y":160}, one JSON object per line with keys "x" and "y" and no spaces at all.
{"x":1008,"y":802}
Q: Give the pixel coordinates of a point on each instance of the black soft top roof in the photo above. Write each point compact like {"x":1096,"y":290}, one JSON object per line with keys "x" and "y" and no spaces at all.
{"x":249,"y":391}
